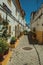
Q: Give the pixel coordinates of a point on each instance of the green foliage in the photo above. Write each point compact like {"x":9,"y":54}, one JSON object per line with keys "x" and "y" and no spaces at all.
{"x":3,"y":45}
{"x":1,"y":50}
{"x":25,"y":30}
{"x":13,"y":38}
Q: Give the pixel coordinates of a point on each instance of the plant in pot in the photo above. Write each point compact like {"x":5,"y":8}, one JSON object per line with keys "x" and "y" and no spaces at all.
{"x":6,"y":49}
{"x":13,"y":40}
{"x":4,"y":45}
{"x":1,"y":54}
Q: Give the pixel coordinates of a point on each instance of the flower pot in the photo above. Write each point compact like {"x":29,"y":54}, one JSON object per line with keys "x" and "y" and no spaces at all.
{"x":1,"y":57}
{"x":6,"y":51}
{"x":1,"y":54}
{"x":12,"y":41}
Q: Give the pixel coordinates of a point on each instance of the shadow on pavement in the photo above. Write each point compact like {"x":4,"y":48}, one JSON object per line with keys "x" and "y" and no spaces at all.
{"x":1,"y":59}
{"x":26,"y":64}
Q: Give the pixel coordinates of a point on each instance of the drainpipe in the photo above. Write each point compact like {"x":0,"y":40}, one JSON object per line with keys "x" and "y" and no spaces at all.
{"x":6,"y":25}
{"x":6,"y":16}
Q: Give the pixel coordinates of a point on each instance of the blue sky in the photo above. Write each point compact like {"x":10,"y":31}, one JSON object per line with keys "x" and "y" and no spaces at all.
{"x":29,"y":6}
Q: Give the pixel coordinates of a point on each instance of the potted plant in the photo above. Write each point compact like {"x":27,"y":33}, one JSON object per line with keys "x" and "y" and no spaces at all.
{"x":1,"y":53}
{"x":13,"y":40}
{"x":4,"y":45}
{"x":6,"y":48}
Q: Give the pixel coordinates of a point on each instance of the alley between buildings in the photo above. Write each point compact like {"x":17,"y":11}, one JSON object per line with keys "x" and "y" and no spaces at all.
{"x":23,"y":56}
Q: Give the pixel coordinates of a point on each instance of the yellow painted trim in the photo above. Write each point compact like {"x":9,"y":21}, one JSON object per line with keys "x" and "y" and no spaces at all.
{"x":7,"y":57}
{"x":16,"y":44}
{"x":39,"y":36}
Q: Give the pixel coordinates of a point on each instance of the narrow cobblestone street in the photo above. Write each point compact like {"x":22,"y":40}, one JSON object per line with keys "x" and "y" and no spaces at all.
{"x":21,"y":32}
{"x":26,"y":57}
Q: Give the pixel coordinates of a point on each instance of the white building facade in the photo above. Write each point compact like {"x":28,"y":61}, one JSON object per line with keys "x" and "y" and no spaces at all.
{"x":10,"y":19}
{"x":37,"y":24}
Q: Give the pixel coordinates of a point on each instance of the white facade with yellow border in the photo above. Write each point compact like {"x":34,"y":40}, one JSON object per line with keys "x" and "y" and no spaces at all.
{"x":37,"y":24}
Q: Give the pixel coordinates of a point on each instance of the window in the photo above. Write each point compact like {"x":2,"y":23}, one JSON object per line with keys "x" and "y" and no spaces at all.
{"x":9,"y":29}
{"x":34,"y":29}
{"x":9,"y":2}
{"x":42,"y":24}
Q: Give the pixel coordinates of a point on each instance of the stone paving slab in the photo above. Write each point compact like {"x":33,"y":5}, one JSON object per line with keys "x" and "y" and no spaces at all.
{"x":23,"y":57}
{"x":40,"y":51}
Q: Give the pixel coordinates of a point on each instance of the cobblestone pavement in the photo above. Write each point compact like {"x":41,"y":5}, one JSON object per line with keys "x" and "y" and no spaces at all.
{"x":26,"y":57}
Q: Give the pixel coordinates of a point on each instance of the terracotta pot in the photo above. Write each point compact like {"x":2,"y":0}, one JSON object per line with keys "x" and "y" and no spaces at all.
{"x":1,"y":57}
{"x":13,"y":42}
{"x":6,"y":51}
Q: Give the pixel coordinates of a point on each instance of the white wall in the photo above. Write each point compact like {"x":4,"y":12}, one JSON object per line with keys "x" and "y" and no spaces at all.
{"x":38,"y":24}
{"x":12,"y":22}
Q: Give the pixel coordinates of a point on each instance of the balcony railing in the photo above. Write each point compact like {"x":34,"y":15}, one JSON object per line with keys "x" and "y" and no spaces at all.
{"x":1,"y":8}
